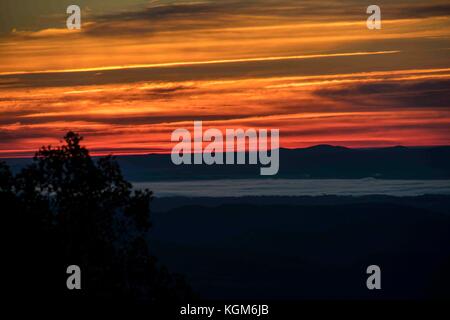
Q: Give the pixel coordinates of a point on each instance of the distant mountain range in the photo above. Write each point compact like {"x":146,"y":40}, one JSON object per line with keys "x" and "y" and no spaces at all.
{"x":318,"y":162}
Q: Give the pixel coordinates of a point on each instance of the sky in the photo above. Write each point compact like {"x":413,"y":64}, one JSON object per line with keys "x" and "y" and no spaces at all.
{"x":137,"y":70}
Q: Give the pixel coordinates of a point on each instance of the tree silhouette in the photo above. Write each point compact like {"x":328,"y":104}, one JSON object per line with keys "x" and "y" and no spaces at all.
{"x":72,"y":209}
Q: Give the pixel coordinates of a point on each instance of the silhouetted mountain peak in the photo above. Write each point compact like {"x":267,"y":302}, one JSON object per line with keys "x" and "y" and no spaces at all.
{"x":326,"y":147}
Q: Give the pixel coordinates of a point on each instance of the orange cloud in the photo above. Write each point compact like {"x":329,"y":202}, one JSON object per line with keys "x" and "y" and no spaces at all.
{"x":128,"y":79}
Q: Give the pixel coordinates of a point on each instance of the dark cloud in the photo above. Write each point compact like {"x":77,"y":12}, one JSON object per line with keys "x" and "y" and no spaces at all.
{"x":212,"y":71}
{"x":312,"y":10}
{"x":366,"y":128}
{"x":424,"y":10}
{"x":115,"y":18}
{"x":142,"y":119}
{"x":408,"y":94}
{"x":225,"y":13}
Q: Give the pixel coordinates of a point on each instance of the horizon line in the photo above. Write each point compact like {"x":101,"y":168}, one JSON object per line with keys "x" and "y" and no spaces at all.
{"x":147,"y":153}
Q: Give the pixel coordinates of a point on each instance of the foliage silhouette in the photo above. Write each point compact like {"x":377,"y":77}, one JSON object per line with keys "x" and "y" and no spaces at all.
{"x":68,"y":208}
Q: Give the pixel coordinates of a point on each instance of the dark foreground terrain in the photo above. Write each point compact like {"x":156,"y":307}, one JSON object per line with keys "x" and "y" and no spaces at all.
{"x":306,"y":247}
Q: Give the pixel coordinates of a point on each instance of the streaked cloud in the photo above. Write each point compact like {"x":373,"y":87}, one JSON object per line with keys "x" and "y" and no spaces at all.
{"x":136,"y":72}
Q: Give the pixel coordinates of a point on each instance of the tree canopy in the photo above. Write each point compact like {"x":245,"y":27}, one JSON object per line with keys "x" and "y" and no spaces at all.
{"x":69,"y":208}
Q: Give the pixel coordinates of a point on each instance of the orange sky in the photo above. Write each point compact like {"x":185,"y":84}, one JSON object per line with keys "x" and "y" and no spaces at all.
{"x":134,"y":73}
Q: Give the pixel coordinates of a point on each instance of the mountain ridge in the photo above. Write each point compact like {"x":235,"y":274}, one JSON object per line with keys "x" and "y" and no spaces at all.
{"x":316,"y":162}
